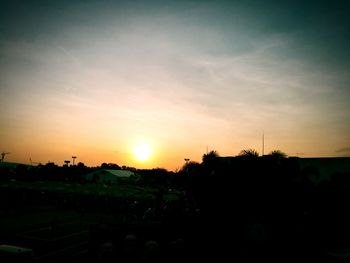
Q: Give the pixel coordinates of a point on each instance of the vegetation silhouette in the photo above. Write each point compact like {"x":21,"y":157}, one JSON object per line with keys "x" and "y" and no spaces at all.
{"x":244,"y":207}
{"x":250,"y":153}
{"x":278,"y":154}
{"x":210,"y":157}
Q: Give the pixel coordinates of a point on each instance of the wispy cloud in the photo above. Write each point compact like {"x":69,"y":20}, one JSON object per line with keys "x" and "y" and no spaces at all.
{"x":189,"y":72}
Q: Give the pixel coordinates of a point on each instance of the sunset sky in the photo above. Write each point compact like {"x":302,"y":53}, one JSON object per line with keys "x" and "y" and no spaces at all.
{"x":96,"y":79}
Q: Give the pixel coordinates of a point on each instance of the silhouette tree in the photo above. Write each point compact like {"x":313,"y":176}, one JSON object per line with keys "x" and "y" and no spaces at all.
{"x":278,"y":154}
{"x":189,"y":166}
{"x":111,"y":166}
{"x":209,"y":158}
{"x":82,"y":165}
{"x":249,"y":153}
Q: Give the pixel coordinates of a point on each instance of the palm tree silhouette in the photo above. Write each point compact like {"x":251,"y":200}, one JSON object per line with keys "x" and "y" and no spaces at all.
{"x":249,"y":153}
{"x":278,"y":154}
{"x":208,"y":158}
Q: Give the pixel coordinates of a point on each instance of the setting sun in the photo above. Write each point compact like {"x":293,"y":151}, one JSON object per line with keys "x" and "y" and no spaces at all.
{"x":142,"y":152}
{"x":110,"y":85}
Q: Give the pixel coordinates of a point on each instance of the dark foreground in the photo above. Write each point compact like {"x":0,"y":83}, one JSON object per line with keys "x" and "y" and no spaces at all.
{"x":58,"y":226}
{"x":238,"y":209}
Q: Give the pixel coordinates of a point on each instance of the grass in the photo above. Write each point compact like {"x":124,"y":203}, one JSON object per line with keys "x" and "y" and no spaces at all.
{"x":118,"y":191}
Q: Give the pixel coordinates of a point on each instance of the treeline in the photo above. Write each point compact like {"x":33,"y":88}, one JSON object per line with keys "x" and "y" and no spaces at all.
{"x":229,"y":204}
{"x":75,"y":173}
{"x":269,"y":198}
{"x":46,"y":172}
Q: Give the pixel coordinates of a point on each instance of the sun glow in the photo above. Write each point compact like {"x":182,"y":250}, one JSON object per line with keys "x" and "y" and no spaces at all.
{"x":142,"y":152}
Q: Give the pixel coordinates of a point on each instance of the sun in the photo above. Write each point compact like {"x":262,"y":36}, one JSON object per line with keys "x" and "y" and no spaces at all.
{"x":142,"y":152}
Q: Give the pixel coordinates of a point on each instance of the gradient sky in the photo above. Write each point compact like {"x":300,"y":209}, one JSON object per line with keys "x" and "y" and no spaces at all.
{"x":94,"y":78}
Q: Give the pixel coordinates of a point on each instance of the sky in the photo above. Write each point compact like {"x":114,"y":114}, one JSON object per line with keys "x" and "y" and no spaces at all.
{"x":95,"y":79}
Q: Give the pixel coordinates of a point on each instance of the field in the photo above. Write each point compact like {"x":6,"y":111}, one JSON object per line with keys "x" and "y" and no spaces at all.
{"x":54,"y":218}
